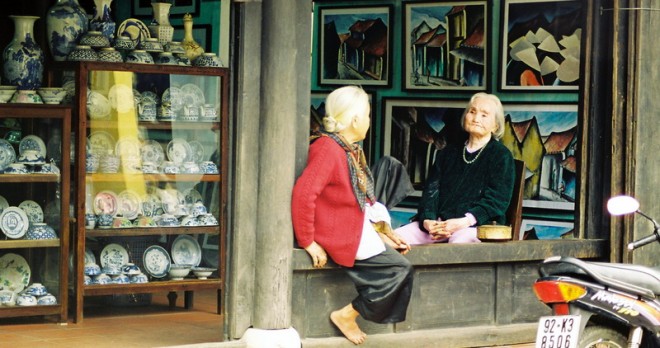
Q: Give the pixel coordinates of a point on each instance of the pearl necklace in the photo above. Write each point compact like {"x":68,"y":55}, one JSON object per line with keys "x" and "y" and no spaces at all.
{"x":475,"y":157}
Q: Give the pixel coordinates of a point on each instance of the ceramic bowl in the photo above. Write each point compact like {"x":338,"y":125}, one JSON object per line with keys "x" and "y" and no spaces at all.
{"x":208,"y":59}
{"x":83,"y":53}
{"x":189,"y":221}
{"x":6,"y":92}
{"x":151,"y":44}
{"x":92,"y":269}
{"x":198,"y":209}
{"x":130,"y":269}
{"x":40,"y":230}
{"x":125,"y":43}
{"x":166,"y":58}
{"x":26,"y":300}
{"x":121,"y":279}
{"x":26,"y":96}
{"x":139,"y":57}
{"x":31,"y":157}
{"x":110,"y":54}
{"x":121,"y":222}
{"x":178,"y":272}
{"x":145,"y":221}
{"x":168,"y":220}
{"x":94,"y":39}
{"x":7,"y":298}
{"x":46,"y":300}
{"x":207,"y":220}
{"x":209,"y":167}
{"x":104,"y":220}
{"x":139,"y":278}
{"x":102,"y":279}
{"x":52,"y":95}
{"x":203,"y":272}
{"x":111,"y":271}
{"x":35,"y":289}
{"x":16,"y":168}
{"x":87,"y":280}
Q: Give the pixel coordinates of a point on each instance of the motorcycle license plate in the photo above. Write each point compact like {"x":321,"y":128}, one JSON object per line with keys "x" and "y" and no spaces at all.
{"x":559,"y":331}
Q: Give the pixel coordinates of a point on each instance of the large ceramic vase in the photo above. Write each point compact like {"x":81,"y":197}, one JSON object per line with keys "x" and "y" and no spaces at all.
{"x":23,"y":59}
{"x":102,"y":20}
{"x":66,"y":23}
{"x":193,"y":49}
{"x":160,"y":27}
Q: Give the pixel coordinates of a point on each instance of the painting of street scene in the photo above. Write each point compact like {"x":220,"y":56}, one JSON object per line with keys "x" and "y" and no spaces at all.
{"x":446,"y":45}
{"x":354,"y":45}
{"x":545,"y":137}
{"x":542,"y":44}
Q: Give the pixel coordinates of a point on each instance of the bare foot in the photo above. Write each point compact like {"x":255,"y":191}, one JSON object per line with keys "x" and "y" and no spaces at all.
{"x":344,"y":319}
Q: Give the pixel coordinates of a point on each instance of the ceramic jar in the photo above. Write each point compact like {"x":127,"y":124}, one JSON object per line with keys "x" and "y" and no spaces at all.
{"x":109,"y":54}
{"x":23,"y":59}
{"x":82,"y":53}
{"x":192,"y":47}
{"x":208,"y":59}
{"x":139,"y":57}
{"x":102,"y":20}
{"x":66,"y":22}
{"x":160,"y":27}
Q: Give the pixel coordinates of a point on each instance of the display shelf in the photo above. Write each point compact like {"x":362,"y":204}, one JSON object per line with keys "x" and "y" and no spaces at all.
{"x":52,"y":124}
{"x":138,"y":109}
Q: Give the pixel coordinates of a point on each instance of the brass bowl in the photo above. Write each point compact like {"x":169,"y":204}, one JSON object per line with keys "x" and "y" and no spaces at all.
{"x":493,"y":232}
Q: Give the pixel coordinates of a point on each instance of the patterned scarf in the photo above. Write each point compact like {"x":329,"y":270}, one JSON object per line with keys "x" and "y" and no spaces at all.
{"x":361,"y":178}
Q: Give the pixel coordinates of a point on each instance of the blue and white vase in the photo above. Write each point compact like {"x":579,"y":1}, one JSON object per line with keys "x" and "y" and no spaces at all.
{"x":23,"y":59}
{"x":66,"y":23}
{"x":102,"y":20}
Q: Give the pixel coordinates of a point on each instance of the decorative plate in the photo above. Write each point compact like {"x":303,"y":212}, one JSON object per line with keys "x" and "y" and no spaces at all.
{"x":101,"y":142}
{"x":178,"y":151}
{"x":135,"y":29}
{"x":32,"y":142}
{"x":7,"y":154}
{"x":121,"y":98}
{"x":33,"y":211}
{"x":152,"y":151}
{"x":174,"y":97}
{"x":192,"y":196}
{"x":186,"y":251}
{"x":197,"y":151}
{"x":152,"y":205}
{"x":192,"y":95}
{"x":129,"y":204}
{"x":128,"y":147}
{"x":3,"y":204}
{"x":14,"y":222}
{"x":113,"y":256}
{"x":14,"y":272}
{"x":106,"y":202}
{"x":98,"y":106}
{"x":89,"y":257}
{"x":156,"y":261}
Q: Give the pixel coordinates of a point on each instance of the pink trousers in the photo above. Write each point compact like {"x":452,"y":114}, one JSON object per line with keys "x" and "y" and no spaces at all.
{"x":412,"y":234}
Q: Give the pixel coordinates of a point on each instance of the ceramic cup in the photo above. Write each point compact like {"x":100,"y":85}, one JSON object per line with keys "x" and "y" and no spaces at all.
{"x":90,"y":220}
{"x":104,"y":220}
{"x":170,"y":167}
{"x":14,"y":136}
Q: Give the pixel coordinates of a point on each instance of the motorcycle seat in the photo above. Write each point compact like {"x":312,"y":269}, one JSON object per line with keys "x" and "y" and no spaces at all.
{"x":641,"y":280}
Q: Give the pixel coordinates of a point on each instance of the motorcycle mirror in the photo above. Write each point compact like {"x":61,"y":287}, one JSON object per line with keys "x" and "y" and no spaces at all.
{"x":621,"y":205}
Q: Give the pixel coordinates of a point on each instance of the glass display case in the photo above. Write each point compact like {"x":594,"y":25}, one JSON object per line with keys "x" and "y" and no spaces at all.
{"x":34,"y":211}
{"x":150,"y":200}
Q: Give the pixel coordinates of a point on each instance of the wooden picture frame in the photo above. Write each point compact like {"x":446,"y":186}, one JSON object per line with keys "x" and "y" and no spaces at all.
{"x":142,"y":8}
{"x":446,"y":45}
{"x":531,"y":229}
{"x":541,"y":44}
{"x":354,"y":46}
{"x":415,"y":129}
{"x":547,"y":138}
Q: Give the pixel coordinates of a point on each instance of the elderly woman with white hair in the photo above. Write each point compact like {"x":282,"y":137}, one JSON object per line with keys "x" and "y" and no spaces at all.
{"x":469,"y":185}
{"x":332,"y":205}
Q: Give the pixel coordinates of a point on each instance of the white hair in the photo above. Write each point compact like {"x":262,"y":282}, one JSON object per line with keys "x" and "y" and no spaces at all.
{"x":341,"y":105}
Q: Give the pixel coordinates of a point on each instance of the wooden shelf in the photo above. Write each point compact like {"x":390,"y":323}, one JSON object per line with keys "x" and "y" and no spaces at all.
{"x":112,"y":124}
{"x":154,"y":286}
{"x":29,"y":178}
{"x":123,"y":177}
{"x":22,"y":243}
{"x":28,"y":311}
{"x":153,"y":231}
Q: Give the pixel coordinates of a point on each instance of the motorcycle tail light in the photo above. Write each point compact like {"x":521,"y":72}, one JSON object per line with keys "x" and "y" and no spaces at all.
{"x":554,"y":291}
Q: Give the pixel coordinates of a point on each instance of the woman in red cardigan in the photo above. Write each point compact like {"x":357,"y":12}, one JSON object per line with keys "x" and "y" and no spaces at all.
{"x":330,"y":202}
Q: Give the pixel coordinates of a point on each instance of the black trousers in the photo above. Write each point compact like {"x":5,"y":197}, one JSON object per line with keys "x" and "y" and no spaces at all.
{"x":384,"y":285}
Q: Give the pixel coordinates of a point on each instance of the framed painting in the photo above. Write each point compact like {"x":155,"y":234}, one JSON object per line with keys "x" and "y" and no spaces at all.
{"x":546,"y":137}
{"x":445,"y":45}
{"x":541,"y":44}
{"x":142,"y":8}
{"x":543,"y":229}
{"x":354,"y":45}
{"x":415,"y":129}
{"x":317,"y":112}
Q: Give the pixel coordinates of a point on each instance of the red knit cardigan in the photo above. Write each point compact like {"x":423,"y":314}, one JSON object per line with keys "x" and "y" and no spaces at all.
{"x":324,"y":208}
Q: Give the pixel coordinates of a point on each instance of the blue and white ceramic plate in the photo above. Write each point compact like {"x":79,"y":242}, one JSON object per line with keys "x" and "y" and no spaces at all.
{"x":186,"y":251}
{"x":14,"y":272}
{"x":192,"y":95}
{"x":14,"y":222}
{"x":156,"y":261}
{"x":193,"y":196}
{"x":101,"y":143}
{"x":129,"y":204}
{"x":33,"y":211}
{"x":7,"y":154}
{"x":179,"y":151}
{"x":89,"y":257}
{"x":113,"y":255}
{"x":197,"y":151}
{"x":32,"y":142}
{"x":152,"y":151}
{"x":128,"y":147}
{"x":174,"y":97}
{"x":135,"y":29}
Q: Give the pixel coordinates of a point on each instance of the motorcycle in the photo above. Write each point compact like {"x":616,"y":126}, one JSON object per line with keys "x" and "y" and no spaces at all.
{"x":598,"y":304}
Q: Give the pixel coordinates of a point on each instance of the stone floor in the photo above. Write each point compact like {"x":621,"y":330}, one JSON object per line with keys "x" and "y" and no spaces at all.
{"x":104,"y":326}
